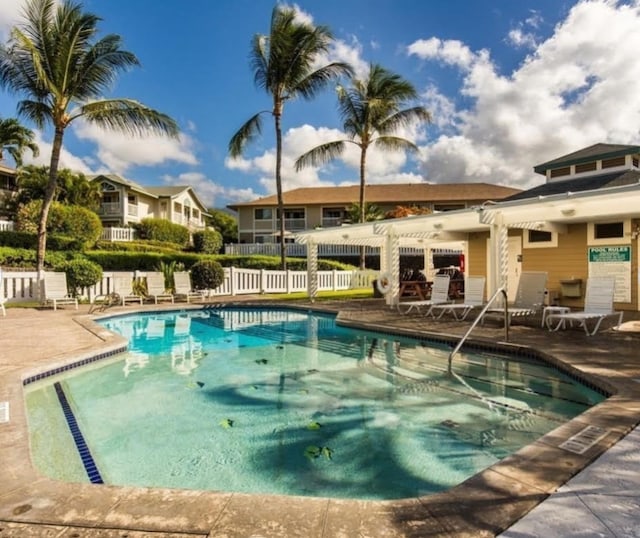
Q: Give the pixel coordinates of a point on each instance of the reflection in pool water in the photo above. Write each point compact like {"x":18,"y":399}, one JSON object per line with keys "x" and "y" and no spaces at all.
{"x":283,"y":401}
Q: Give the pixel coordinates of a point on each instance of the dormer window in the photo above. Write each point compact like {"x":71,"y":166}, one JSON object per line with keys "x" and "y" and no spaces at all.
{"x":586,"y":167}
{"x":612,"y":163}
{"x":558,"y":172}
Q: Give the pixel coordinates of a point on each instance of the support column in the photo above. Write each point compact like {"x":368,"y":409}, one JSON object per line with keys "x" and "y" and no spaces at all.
{"x":392,"y":243}
{"x":312,"y":270}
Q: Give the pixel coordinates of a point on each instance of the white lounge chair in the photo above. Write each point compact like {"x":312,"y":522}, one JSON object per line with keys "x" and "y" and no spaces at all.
{"x":55,"y":291}
{"x":439,"y":295}
{"x":183,"y":288}
{"x":3,"y":297}
{"x":598,"y":305}
{"x":156,"y":287}
{"x":473,"y":297}
{"x":155,"y":328}
{"x":123,"y":289}
{"x":529,"y":297}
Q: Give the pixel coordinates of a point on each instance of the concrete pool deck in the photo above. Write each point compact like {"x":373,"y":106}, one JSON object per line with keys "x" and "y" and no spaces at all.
{"x":601,"y":500}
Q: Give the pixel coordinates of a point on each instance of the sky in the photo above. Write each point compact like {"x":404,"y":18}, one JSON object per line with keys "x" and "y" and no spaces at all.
{"x":510,"y":84}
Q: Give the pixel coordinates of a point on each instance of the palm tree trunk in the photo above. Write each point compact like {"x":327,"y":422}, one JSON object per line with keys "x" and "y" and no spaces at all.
{"x":283,"y":252}
{"x":363,"y":159}
{"x":49,"y":195}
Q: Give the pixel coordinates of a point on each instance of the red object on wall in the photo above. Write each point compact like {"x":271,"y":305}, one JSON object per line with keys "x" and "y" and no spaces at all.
{"x":461,"y":263}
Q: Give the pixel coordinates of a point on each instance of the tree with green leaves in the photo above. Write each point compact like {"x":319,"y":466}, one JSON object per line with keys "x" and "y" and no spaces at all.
{"x":56,"y":62}
{"x":371,"y":212}
{"x":15,"y":139}
{"x":284,"y":65}
{"x":225,"y":223}
{"x":72,"y":188}
{"x":371,"y":111}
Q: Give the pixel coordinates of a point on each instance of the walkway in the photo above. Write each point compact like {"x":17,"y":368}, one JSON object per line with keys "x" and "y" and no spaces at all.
{"x":600,"y":501}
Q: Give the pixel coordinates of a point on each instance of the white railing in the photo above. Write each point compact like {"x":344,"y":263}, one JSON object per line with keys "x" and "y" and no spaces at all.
{"x":21,"y":286}
{"x":300,"y":250}
{"x":6,"y":226}
{"x":118,"y":234}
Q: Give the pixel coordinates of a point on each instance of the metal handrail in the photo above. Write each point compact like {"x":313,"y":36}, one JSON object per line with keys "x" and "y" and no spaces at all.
{"x":502,"y":291}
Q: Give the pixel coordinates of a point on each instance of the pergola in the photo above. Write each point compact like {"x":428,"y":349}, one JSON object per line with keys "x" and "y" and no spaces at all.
{"x":451,"y":229}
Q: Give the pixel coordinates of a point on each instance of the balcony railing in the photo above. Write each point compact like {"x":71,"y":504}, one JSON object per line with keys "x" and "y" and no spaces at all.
{"x":118,"y":234}
{"x":330,"y":222}
{"x":6,"y":226}
{"x":300,"y":250}
{"x":110,"y":208}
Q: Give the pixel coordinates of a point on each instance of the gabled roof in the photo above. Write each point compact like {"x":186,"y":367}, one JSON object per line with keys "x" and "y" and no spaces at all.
{"x":114,"y":178}
{"x":591,"y":153}
{"x":8,"y":170}
{"x":579,"y":184}
{"x":173,"y":191}
{"x":395,"y":193}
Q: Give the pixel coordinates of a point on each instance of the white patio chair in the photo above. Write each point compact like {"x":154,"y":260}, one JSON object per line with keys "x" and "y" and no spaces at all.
{"x":183,"y":288}
{"x":3,"y":297}
{"x":55,"y":290}
{"x":598,"y":305}
{"x":473,"y":297}
{"x":529,"y":297}
{"x":123,"y":289}
{"x":439,"y":295}
{"x":156,"y":288}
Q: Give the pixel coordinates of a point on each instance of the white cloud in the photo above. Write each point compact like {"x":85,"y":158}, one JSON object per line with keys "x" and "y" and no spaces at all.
{"x":10,"y":14}
{"x":577,"y":88}
{"x":118,"y":152}
{"x":67,"y":160}
{"x":210,"y":193}
{"x":524,"y":35}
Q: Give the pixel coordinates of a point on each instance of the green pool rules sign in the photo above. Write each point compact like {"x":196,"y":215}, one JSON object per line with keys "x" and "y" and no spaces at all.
{"x":609,"y":254}
{"x":613,"y":261}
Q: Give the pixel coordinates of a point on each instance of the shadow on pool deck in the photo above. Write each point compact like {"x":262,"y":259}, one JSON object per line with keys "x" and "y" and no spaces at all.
{"x":33,"y":340}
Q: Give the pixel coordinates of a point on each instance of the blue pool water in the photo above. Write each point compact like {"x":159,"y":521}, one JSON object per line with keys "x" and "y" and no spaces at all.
{"x":287,"y":402}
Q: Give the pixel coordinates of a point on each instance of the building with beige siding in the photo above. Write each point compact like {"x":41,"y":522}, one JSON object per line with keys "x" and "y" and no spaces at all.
{"x":582,"y":221}
{"x":327,"y":207}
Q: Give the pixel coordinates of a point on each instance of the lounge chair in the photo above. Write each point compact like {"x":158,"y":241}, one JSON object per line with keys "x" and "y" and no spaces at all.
{"x":598,"y":305}
{"x":2,"y":295}
{"x":529,"y":297}
{"x":123,"y":289}
{"x":473,"y":297}
{"x":439,"y":295}
{"x":55,"y":291}
{"x":183,"y":288}
{"x":155,"y":328}
{"x":156,"y":288}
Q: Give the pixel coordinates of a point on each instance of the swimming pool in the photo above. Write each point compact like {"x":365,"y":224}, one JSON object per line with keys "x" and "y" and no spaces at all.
{"x":282,"y":401}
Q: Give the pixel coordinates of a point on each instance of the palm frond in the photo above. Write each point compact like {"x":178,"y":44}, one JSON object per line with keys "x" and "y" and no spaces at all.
{"x":394,"y":143}
{"x":246,"y":133}
{"x":403,"y":118}
{"x":128,"y":116}
{"x":320,"y":155}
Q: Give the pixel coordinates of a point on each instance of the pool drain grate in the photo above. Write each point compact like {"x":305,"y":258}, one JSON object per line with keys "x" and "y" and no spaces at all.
{"x":4,"y":412}
{"x":584,"y":439}
{"x":83,"y":450}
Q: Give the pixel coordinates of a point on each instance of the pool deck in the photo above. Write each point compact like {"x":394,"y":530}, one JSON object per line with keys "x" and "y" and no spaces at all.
{"x":596,"y":493}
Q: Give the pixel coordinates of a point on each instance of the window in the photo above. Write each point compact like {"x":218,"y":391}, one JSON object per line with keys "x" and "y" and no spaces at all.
{"x":611,"y":163}
{"x":540,"y":239}
{"x":607,"y":233}
{"x":635,"y":162}
{"x":557,"y":172}
{"x":608,"y":230}
{"x":585,"y":167}
{"x":447,"y":207}
{"x":132,"y":199}
{"x":263,"y":213}
{"x":332,"y":216}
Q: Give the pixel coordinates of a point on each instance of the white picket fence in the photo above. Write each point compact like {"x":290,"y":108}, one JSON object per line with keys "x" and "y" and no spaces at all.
{"x":6,"y":226}
{"x":20,"y":286}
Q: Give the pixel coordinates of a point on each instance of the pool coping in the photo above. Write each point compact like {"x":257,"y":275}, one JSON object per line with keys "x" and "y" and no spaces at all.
{"x":484,"y":505}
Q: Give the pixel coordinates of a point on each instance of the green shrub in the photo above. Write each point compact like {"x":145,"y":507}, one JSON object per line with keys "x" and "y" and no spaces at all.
{"x":139,"y":246}
{"x":141,"y":261}
{"x":162,"y":230}
{"x":207,"y":275}
{"x":273,"y":263}
{"x":207,"y":241}
{"x":167,"y":269}
{"x":81,"y":273}
{"x":25,"y":259}
{"x":80,"y":225}
{"x":30,"y":240}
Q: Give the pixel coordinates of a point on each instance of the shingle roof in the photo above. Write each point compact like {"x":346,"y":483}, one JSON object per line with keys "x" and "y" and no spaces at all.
{"x":591,"y":153}
{"x":123,"y":181}
{"x":579,"y":184}
{"x":401,"y":194}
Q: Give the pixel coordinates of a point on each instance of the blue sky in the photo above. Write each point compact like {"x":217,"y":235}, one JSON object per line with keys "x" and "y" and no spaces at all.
{"x":510,"y":84}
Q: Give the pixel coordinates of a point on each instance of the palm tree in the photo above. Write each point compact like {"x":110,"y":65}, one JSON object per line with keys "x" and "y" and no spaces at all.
{"x":371,"y":110}
{"x":15,"y":139}
{"x":284,"y":66}
{"x":56,"y":62}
